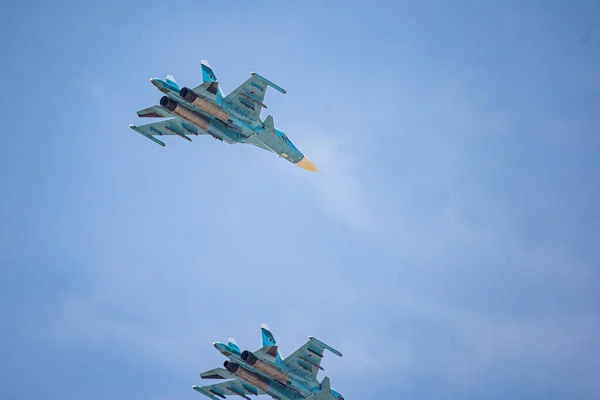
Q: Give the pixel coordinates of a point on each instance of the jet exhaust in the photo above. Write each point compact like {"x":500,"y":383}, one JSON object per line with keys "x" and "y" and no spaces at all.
{"x":185,"y":113}
{"x":267,"y":369}
{"x":251,"y":377}
{"x":206,"y":106}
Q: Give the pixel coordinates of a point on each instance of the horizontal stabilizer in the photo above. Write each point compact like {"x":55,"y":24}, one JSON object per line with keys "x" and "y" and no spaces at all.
{"x":217,"y":373}
{"x":154,"y":112}
{"x":325,"y":384}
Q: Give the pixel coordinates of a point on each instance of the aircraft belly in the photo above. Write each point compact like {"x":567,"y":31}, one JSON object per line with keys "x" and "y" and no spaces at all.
{"x":234,"y":118}
{"x":278,"y":391}
{"x":218,"y":128}
{"x":290,"y":154}
{"x":324,"y":395}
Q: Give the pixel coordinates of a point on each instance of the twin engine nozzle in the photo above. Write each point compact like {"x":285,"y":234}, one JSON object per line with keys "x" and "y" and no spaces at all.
{"x":191,"y":115}
{"x":267,"y":369}
{"x":203,"y":104}
{"x":249,"y":376}
{"x":249,"y":358}
{"x":231,"y":367}
{"x":167,"y":103}
{"x":185,"y":113}
{"x":187,"y":95}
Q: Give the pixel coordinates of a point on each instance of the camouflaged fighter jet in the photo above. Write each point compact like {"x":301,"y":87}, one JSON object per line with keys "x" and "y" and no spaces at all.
{"x":265,"y":371}
{"x":234,"y":118}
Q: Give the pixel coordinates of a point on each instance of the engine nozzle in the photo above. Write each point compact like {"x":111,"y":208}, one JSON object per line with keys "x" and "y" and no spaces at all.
{"x":203,"y":104}
{"x":185,"y":113}
{"x":249,"y":358}
{"x":168,"y":103}
{"x":188,"y":95}
{"x":231,"y":367}
{"x":267,"y":369}
{"x":249,"y":376}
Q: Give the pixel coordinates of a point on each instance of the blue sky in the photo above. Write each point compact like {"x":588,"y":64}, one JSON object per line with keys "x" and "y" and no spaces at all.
{"x":450,"y":249}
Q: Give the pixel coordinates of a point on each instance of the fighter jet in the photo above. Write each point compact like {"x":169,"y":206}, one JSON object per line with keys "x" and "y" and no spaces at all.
{"x":235,"y":118}
{"x":265,"y":371}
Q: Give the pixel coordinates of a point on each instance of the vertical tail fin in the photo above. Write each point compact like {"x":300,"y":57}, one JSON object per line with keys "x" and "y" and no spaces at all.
{"x":171,"y":81}
{"x":209,"y":76}
{"x":268,"y":339}
{"x":233,"y":344}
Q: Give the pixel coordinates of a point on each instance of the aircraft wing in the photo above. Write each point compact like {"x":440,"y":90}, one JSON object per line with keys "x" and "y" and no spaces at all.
{"x":307,"y":359}
{"x":234,"y":387}
{"x":249,"y":97}
{"x":174,"y":126}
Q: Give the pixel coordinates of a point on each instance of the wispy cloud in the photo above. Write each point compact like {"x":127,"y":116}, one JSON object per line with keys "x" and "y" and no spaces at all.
{"x":465,"y":349}
{"x":92,"y":322}
{"x":341,"y":189}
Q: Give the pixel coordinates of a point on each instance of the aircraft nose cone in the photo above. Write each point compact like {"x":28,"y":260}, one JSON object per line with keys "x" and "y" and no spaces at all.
{"x":306,"y":164}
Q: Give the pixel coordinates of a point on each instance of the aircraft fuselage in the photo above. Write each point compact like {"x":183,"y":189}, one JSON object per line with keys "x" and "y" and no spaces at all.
{"x":278,"y":382}
{"x":208,"y":114}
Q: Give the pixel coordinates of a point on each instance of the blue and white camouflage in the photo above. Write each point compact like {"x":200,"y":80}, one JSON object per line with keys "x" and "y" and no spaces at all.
{"x":234,"y":118}
{"x":265,"y":371}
